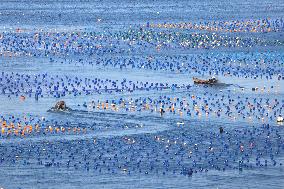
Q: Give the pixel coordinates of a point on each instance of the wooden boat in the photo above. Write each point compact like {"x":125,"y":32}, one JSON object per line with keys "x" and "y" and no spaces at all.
{"x":208,"y":82}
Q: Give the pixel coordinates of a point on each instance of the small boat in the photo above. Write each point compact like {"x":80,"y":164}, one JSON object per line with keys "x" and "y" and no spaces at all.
{"x":60,"y":107}
{"x":211,"y":81}
{"x":280,"y":119}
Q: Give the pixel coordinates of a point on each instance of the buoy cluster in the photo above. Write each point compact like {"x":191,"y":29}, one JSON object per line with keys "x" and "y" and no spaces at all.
{"x":180,"y":152}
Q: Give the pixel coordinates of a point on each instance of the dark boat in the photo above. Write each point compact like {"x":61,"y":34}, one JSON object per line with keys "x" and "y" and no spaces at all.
{"x":208,"y":81}
{"x":60,"y":107}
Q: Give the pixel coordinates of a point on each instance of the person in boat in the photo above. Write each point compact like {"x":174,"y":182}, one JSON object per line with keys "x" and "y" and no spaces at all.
{"x":212,"y":80}
{"x":60,"y":106}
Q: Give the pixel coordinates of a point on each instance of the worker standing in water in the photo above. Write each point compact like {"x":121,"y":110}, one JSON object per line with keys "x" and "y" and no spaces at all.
{"x":162,"y":111}
{"x":221,"y":130}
